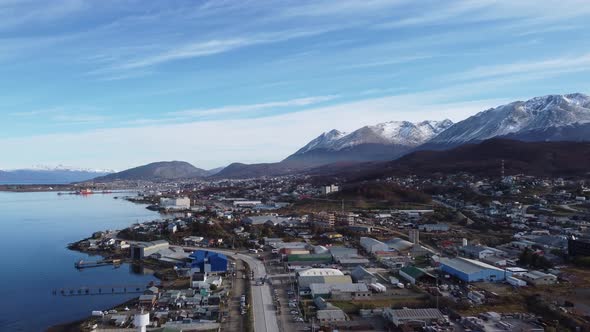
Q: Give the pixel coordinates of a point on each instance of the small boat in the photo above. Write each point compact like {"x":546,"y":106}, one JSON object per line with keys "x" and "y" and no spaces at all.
{"x":85,"y":192}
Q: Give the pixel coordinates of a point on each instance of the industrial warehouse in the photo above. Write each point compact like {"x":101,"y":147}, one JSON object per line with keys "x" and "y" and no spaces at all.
{"x":469,"y":270}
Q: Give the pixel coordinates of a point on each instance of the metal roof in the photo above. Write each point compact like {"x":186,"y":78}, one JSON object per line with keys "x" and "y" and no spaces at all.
{"x":331,"y":314}
{"x":327,"y":288}
{"x":416,"y":314}
{"x":370,"y":241}
{"x":412,"y":271}
{"x":467,"y":265}
{"x":399,"y":244}
{"x":538,"y":275}
{"x":320,"y":272}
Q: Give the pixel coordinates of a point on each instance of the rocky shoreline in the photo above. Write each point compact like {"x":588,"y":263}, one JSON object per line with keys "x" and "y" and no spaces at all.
{"x":160,"y":272}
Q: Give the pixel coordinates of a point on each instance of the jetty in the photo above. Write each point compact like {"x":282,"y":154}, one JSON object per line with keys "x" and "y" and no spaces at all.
{"x":82,"y":264}
{"x":101,"y":290}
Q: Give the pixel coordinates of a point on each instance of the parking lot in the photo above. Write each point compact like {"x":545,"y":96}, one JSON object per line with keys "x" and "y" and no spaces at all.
{"x":290,"y":316}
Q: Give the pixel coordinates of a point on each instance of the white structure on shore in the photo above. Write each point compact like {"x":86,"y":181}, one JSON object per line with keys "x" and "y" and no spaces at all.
{"x":140,"y":250}
{"x":179,"y":203}
{"x":141,"y":321}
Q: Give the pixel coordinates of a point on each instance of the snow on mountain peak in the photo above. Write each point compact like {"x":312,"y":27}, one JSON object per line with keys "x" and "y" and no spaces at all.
{"x":389,"y":133}
{"x":535,"y":113}
{"x":322,"y":141}
{"x":63,"y":168}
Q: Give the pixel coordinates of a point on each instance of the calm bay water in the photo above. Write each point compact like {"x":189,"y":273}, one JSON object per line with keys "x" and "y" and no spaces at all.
{"x":35,"y":229}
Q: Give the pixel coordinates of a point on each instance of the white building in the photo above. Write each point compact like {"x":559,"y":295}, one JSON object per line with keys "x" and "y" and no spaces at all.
{"x":141,"y":250}
{"x":539,"y":278}
{"x":262,"y":220}
{"x":321,"y":276}
{"x":414,"y":236}
{"x":175,"y":203}
{"x":372,"y":246}
{"x":246,"y":204}
{"x":330,"y":189}
{"x":434,"y":227}
{"x":203,"y":280}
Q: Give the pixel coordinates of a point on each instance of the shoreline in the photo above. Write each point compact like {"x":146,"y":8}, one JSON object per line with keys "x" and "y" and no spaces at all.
{"x":78,"y":325}
{"x":33,"y":188}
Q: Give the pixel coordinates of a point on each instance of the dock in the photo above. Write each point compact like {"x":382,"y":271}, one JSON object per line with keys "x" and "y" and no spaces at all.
{"x":82,"y":264}
{"x":100,"y":290}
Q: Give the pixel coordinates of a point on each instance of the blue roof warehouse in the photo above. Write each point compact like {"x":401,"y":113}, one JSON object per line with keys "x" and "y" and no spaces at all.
{"x":470,"y":270}
{"x":208,"y":261}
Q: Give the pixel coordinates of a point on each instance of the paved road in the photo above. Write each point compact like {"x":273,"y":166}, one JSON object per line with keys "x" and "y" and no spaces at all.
{"x":265,"y":318}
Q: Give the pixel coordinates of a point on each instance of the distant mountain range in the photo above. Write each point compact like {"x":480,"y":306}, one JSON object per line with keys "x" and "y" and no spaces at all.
{"x":483,"y":158}
{"x":547,"y":118}
{"x":49,"y":175}
{"x":384,"y":141}
{"x":551,"y":118}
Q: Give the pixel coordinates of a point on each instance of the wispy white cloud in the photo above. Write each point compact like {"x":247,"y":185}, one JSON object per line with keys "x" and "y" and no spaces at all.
{"x":516,"y":14}
{"x":557,"y":65}
{"x":196,"y":49}
{"x":443,"y":13}
{"x":549,"y":29}
{"x":14,"y":14}
{"x":37,"y":112}
{"x":388,"y":62}
{"x":297,"y":102}
{"x":79,"y":119}
{"x":281,"y":134}
{"x":190,"y":50}
{"x":339,"y":8}
{"x":64,"y":115}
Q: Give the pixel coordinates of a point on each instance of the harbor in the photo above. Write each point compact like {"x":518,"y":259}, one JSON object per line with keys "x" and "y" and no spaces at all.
{"x":51,"y":222}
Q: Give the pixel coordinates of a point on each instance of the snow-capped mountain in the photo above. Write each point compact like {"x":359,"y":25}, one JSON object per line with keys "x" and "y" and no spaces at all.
{"x":49,"y":175}
{"x":324,"y":141}
{"x":537,"y":114}
{"x":383,"y":141}
{"x":61,"y":167}
{"x":389,"y":133}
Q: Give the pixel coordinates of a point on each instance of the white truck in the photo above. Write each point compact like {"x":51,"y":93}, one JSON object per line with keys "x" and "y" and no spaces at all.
{"x":377,"y":287}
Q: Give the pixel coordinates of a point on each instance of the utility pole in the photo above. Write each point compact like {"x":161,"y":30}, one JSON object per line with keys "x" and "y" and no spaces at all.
{"x":437,"y":291}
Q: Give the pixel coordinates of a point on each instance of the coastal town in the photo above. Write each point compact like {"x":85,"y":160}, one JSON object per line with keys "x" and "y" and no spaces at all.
{"x":295,"y":166}
{"x":453,"y":253}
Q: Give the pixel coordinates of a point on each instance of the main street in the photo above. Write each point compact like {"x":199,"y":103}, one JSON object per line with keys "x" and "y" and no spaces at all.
{"x":265,"y":318}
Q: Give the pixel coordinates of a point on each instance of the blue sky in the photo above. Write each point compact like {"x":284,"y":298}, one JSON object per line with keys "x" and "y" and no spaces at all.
{"x":114,"y":84}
